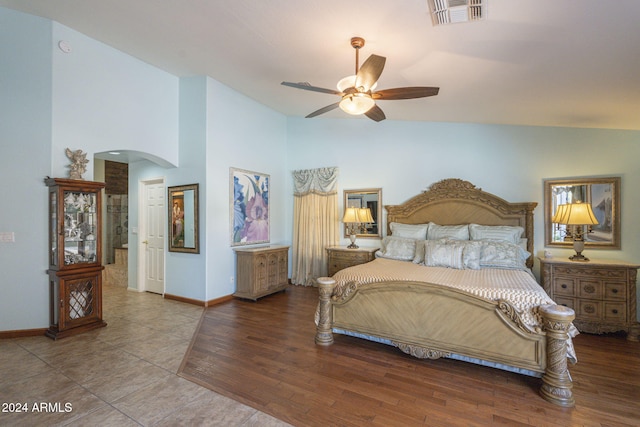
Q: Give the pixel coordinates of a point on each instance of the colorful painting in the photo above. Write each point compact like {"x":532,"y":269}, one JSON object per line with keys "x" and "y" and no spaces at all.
{"x":249,"y":207}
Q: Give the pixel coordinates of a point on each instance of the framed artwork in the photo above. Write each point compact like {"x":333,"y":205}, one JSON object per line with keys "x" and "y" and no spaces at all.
{"x":603,"y":194}
{"x":249,"y":215}
{"x":183,"y":219}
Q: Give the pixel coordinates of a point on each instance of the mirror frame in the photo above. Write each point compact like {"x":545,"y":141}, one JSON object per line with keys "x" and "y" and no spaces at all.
{"x":175,"y":194}
{"x":549,"y":210}
{"x":377,"y":213}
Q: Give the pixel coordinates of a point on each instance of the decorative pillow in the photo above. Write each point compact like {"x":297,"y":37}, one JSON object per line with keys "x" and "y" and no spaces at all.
{"x":471,"y":254}
{"x":397,"y":248}
{"x":409,"y":231}
{"x":499,"y":254}
{"x":455,"y":232}
{"x":507,"y":233}
{"x":438,"y":254}
{"x":418,"y":258}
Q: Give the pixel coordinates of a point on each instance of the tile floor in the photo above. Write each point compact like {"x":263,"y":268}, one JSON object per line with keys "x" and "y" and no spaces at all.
{"x":121,"y":375}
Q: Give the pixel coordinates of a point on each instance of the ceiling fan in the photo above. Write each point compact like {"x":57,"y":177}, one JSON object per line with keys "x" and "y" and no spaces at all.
{"x":358,"y":91}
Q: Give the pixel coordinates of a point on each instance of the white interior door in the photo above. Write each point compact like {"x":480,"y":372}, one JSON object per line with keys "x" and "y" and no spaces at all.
{"x":154,"y":235}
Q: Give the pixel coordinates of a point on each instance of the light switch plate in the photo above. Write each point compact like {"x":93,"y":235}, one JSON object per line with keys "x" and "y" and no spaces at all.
{"x":7,"y":237}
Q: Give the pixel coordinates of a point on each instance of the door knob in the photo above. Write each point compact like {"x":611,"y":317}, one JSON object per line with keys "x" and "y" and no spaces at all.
{"x":146,"y":242}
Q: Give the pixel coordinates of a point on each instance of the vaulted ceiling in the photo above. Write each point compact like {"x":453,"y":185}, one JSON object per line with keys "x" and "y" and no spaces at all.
{"x":569,"y":63}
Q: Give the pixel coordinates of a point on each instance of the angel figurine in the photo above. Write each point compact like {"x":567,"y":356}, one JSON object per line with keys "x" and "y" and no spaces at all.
{"x":78,"y":164}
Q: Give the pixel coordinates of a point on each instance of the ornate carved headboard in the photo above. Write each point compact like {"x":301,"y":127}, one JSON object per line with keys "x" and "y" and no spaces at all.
{"x":454,"y":201}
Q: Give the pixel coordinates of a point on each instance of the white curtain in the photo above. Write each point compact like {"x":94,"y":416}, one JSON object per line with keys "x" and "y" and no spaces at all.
{"x":315,"y":222}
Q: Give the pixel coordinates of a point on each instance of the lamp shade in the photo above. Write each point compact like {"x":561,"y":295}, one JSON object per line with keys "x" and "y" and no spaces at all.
{"x":560,"y":212}
{"x":576,"y":214}
{"x":364,"y":214}
{"x":350,"y":215}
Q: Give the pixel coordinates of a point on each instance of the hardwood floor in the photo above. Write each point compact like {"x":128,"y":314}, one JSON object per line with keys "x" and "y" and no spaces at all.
{"x":263,"y":354}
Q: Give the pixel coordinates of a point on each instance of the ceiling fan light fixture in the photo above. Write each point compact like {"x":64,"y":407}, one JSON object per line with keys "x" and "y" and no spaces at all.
{"x":350,"y":81}
{"x":357,"y":103}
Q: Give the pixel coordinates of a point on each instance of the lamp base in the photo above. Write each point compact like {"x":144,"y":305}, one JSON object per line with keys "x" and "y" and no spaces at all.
{"x":579,"y":257}
{"x":578,"y":246}
{"x":353,"y":246}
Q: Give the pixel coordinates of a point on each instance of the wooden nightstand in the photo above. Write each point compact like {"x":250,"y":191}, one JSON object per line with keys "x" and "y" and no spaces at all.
{"x":341,"y":257}
{"x":602,"y":293}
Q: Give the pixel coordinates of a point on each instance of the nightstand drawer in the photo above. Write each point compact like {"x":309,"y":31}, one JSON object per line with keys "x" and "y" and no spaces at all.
{"x":590,"y":289}
{"x":615,"y":291}
{"x":588,"y":309}
{"x":615,"y":311}
{"x":567,"y":302}
{"x":340,"y":257}
{"x":565,"y":286}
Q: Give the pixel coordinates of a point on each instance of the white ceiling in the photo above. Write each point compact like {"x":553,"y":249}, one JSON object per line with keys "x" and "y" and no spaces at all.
{"x":569,"y":63}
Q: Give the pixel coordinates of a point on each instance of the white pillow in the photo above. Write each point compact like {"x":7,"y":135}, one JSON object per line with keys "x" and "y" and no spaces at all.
{"x":409,"y":231}
{"x":418,"y":258}
{"x":507,"y":233}
{"x":455,"y":232}
{"x":397,"y":248}
{"x":438,"y":254}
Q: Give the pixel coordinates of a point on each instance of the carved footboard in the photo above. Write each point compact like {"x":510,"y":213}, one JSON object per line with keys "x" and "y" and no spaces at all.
{"x":432,"y":321}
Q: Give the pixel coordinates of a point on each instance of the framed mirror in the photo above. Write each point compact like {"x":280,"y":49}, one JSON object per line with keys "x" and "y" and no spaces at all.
{"x":370,"y":198}
{"x":602,"y":194}
{"x":183,"y":219}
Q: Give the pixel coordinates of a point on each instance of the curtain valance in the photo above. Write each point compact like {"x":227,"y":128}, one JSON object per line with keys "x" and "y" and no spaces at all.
{"x":320,"y":180}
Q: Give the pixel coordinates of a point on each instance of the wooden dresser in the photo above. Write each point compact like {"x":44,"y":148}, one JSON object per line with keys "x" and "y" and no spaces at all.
{"x":342,"y":257}
{"x":261,"y":271}
{"x":602,"y":293}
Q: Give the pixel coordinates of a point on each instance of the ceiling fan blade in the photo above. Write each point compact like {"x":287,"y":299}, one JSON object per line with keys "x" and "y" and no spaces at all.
{"x":405,"y":93}
{"x":375,"y":113}
{"x":370,"y":72}
{"x":307,"y":86}
{"x":323,"y":110}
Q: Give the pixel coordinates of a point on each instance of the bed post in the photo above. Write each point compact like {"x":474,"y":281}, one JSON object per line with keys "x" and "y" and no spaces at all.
{"x":556,"y":381}
{"x":324,"y":335}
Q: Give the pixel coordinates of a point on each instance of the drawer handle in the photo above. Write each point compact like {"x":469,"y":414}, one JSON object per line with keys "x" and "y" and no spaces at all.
{"x":563,"y":286}
{"x":614,"y":311}
{"x":589,"y":309}
{"x":589,"y":289}
{"x":615,"y":291}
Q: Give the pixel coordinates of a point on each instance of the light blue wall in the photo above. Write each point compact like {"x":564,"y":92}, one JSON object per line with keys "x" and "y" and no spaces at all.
{"x":404,"y":158}
{"x":104,"y":100}
{"x":241,"y":134}
{"x":98,"y":99}
{"x":94,"y":98}
{"x":25,"y":159}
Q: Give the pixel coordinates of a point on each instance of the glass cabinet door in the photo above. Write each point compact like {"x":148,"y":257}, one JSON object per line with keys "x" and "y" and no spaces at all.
{"x":79,"y":227}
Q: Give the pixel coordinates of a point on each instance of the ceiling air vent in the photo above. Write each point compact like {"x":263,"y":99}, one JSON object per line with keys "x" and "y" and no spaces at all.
{"x":453,"y":11}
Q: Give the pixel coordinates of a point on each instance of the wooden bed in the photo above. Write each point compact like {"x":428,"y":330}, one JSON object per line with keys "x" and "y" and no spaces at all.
{"x":432,"y":321}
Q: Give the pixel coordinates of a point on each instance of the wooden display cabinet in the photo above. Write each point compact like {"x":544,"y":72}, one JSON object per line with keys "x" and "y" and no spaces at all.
{"x":75,"y":268}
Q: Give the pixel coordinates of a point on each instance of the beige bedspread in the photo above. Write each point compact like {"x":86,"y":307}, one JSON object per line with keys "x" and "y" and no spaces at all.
{"x":519,"y":287}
